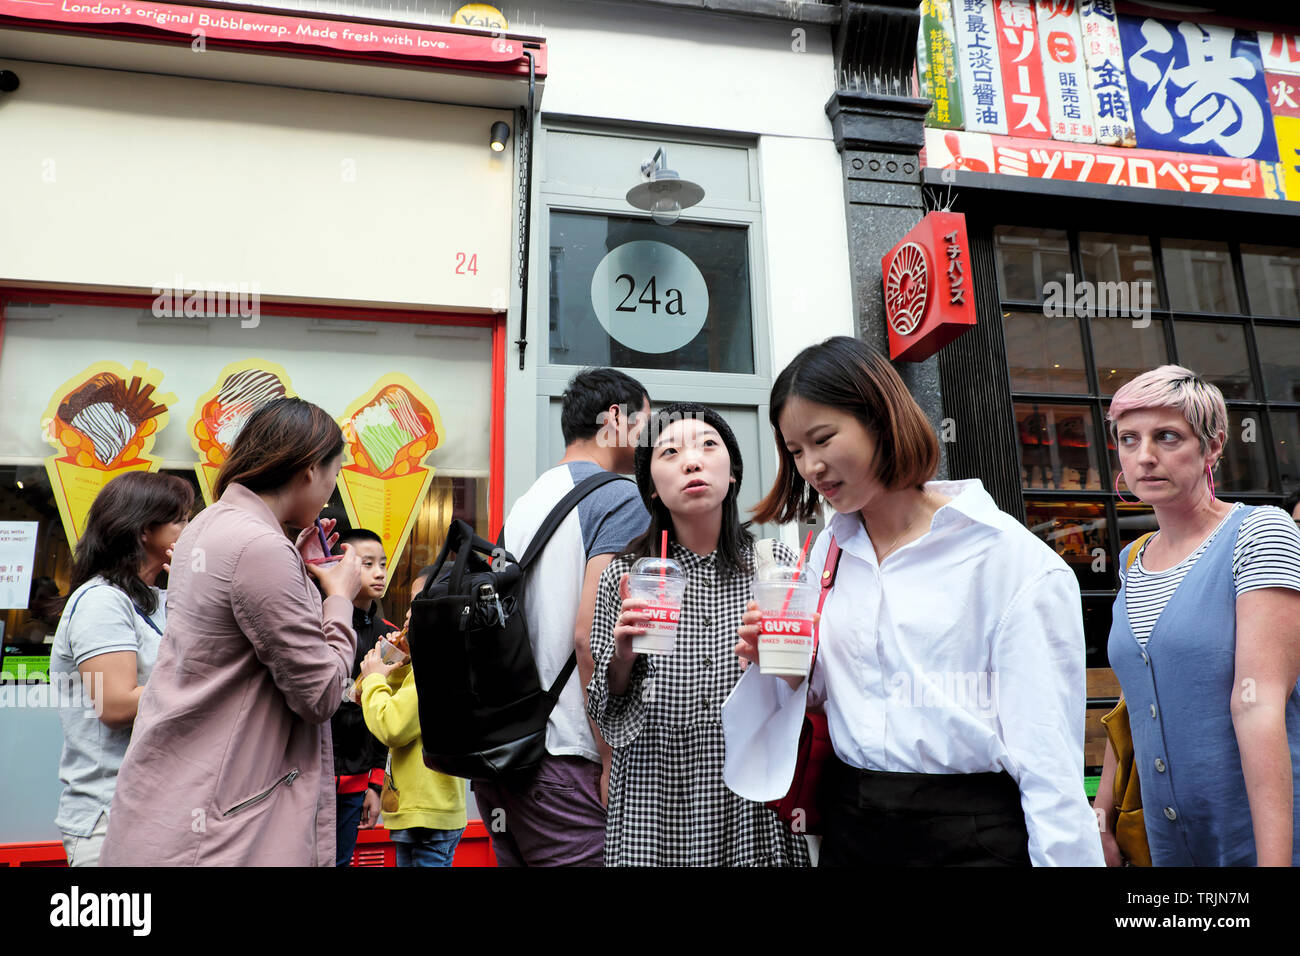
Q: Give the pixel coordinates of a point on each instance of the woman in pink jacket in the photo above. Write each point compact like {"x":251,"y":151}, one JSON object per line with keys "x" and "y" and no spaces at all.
{"x":230,"y":762}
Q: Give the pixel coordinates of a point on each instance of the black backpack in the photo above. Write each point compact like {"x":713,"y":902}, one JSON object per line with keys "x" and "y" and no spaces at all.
{"x":483,"y":711}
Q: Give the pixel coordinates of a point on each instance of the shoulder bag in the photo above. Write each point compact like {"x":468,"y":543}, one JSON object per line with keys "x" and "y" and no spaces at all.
{"x":1130,"y":827}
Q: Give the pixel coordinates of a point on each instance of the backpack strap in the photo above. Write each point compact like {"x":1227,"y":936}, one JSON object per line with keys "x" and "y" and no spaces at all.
{"x":561,"y":511}
{"x":543,"y":534}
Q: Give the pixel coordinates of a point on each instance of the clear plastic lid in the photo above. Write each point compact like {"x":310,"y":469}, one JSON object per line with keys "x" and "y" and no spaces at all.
{"x":783,"y":574}
{"x":658,"y":567}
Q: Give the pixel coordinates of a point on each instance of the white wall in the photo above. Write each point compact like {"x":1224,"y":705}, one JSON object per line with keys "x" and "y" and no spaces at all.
{"x":115,"y":178}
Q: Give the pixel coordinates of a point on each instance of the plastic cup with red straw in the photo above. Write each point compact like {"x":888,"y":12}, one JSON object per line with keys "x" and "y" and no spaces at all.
{"x":787,"y":603}
{"x":660,"y":583}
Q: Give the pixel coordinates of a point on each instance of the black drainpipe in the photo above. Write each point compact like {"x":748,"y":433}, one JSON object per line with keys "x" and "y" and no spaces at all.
{"x":526,"y":211}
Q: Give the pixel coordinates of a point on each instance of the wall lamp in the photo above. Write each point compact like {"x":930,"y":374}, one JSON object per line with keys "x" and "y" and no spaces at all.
{"x":664,"y":194}
{"x":500,"y":136}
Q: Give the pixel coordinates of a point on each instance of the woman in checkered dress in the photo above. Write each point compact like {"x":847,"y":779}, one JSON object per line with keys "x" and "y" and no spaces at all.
{"x":661,"y":713}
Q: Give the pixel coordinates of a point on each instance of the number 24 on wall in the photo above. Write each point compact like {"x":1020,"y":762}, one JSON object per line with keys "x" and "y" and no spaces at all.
{"x":466,"y":265}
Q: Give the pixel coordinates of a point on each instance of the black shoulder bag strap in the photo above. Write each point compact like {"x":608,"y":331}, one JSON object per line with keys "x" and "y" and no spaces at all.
{"x":543,"y":534}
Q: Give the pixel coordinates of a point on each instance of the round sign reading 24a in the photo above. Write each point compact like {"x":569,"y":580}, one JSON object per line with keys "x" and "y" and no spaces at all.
{"x":649,"y":296}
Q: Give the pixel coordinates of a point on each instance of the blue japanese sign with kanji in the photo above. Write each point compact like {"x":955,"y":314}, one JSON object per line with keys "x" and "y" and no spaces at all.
{"x":1197,"y":88}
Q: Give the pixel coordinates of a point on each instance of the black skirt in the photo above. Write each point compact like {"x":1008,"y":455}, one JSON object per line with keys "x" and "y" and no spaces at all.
{"x":873,"y":818}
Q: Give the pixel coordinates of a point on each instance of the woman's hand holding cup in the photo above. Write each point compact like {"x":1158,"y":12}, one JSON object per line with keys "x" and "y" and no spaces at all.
{"x":342,"y":578}
{"x":747,"y":646}
{"x":631,"y":621}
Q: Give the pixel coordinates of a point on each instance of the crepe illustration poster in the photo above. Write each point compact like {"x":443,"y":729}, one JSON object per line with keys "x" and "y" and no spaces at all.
{"x":103,"y":421}
{"x":220,"y":413}
{"x":389,"y":432}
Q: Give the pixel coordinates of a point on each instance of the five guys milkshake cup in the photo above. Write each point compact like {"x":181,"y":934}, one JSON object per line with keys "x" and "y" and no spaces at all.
{"x":787,"y":599}
{"x":661,"y":584}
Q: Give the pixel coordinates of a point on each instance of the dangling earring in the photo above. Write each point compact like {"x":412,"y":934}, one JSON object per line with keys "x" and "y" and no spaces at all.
{"x":1209,"y":474}
{"x":1118,"y":475}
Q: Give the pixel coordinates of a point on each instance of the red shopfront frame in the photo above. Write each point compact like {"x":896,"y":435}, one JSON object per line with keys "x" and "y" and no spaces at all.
{"x":373,"y":848}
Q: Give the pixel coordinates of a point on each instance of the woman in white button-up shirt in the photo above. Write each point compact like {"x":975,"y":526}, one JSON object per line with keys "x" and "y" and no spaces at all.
{"x":951,"y":658}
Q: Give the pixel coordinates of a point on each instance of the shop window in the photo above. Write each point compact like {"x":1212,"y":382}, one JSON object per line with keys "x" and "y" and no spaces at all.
{"x":1028,"y":259}
{"x":1132,"y":520}
{"x":1244,"y":466}
{"x":1286,"y":446}
{"x":1272,"y":279}
{"x":1279,"y":356}
{"x":1098,"y":612}
{"x":1045,"y":353}
{"x":1057,"y":447}
{"x":27,"y":630}
{"x":1126,"y":259}
{"x":1217,"y":352}
{"x":1076,"y":530}
{"x":397,"y":479}
{"x":632,"y":294}
{"x":1123,"y":350}
{"x":1198,"y":275}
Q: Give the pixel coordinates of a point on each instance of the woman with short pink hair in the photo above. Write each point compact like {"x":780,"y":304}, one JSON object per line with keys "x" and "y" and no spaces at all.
{"x":1205,"y":641}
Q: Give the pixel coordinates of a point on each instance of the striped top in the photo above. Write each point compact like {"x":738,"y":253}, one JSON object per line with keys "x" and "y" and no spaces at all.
{"x":1266,"y":555}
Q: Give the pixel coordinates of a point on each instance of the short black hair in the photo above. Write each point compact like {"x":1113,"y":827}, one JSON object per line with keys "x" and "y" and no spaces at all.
{"x":591,"y":392}
{"x":353,"y":535}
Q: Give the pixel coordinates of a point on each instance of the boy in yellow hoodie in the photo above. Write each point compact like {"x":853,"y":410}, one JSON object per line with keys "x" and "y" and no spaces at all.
{"x":430,"y":815}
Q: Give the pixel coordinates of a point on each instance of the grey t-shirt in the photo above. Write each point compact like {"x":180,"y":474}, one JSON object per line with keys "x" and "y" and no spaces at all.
{"x":99,"y":618}
{"x":603,"y":523}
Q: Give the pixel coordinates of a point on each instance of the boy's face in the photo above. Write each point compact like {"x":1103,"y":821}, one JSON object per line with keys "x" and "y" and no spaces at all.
{"x":374,"y":569}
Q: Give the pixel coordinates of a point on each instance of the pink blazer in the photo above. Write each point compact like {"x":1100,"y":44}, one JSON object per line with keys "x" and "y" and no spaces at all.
{"x":231,"y":761}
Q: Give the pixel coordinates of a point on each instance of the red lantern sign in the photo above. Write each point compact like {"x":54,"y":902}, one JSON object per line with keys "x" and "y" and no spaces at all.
{"x":928,"y":296}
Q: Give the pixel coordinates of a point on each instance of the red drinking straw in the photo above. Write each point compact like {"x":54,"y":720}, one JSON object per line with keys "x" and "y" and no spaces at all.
{"x":663,"y":566}
{"x":803,"y":555}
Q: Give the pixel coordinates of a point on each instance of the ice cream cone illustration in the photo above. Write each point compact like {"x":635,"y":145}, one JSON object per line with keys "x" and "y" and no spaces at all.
{"x":104,"y":421}
{"x":389,"y":434}
{"x":220,"y":413}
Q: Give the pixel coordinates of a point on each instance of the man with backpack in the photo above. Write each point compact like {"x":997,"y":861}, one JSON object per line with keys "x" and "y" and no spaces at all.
{"x":556,"y":817}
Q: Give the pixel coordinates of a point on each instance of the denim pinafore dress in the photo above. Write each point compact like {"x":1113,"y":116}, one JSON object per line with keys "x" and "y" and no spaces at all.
{"x":1179,"y":691}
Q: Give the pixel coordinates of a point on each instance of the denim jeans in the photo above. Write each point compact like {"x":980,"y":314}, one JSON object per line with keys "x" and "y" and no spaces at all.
{"x":420,"y":846}
{"x":347,"y":821}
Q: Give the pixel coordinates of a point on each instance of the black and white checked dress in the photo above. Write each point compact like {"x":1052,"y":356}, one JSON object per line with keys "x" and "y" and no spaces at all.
{"x":668,"y":804}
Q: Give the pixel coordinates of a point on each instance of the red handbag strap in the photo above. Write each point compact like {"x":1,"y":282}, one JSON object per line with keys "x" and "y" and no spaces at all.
{"x":828,"y":581}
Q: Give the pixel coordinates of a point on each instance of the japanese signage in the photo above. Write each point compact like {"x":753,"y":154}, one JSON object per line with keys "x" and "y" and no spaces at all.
{"x":936,"y":60}
{"x":1102,"y":165}
{"x":1207,"y":107}
{"x":928,"y":295}
{"x":1280,"y":53}
{"x":981,"y":70}
{"x":1202,"y":88}
{"x":1022,"y":69}
{"x":1068,"y":99}
{"x":17,"y":554}
{"x":1105,"y":60}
